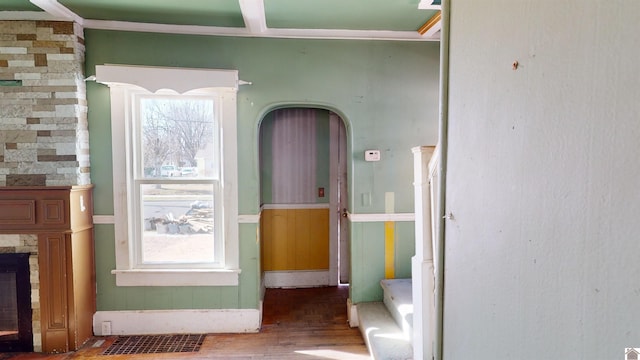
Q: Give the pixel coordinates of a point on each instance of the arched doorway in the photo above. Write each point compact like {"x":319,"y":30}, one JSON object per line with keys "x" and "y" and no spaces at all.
{"x":303,"y":179}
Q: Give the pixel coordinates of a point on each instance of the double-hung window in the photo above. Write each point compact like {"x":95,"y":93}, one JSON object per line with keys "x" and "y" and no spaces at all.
{"x":175,"y":175}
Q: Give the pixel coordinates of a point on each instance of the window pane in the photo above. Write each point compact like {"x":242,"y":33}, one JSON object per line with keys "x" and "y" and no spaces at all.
{"x":178,"y":137}
{"x":177,"y":223}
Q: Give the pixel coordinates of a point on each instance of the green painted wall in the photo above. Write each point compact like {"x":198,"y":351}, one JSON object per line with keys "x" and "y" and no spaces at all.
{"x":405,"y":248}
{"x":367,"y":252}
{"x":266,"y":172}
{"x":112,"y":297}
{"x":367,"y":266}
{"x":386,"y":92}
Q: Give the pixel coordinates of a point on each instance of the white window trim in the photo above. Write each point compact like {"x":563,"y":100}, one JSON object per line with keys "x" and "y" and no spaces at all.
{"x":121,"y":79}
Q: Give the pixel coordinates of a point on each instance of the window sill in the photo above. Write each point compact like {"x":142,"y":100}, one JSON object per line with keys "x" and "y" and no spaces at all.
{"x":177,"y":277}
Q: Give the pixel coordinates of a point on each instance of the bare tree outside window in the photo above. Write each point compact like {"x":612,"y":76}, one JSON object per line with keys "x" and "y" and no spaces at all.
{"x":175,"y":130}
{"x":157,"y":138}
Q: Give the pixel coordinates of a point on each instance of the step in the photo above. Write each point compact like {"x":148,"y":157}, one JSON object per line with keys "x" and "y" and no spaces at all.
{"x":384,"y":338}
{"x":399,"y":301}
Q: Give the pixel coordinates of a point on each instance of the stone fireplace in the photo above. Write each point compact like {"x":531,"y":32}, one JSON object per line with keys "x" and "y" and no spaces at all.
{"x":45,"y":192}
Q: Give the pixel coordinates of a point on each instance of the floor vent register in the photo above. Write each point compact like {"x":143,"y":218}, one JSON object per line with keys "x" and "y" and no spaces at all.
{"x":155,"y":344}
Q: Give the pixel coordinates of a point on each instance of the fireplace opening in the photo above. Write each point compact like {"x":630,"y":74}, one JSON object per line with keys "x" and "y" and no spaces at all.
{"x":16,"y":329}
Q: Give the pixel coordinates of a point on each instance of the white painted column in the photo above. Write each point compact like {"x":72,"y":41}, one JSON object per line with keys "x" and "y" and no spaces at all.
{"x":422,"y":270}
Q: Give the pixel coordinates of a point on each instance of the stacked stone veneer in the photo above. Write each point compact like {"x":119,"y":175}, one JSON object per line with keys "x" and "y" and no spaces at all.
{"x":28,"y":244}
{"x":44,"y":137}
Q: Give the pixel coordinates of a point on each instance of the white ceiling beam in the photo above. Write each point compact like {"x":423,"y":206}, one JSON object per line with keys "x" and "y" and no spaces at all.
{"x":254,"y":16}
{"x":55,"y":9}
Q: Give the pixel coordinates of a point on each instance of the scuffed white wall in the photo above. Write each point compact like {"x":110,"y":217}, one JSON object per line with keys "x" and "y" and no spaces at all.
{"x":543,"y":252}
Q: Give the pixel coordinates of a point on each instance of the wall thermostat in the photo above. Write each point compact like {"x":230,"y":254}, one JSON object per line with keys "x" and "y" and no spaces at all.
{"x":372,"y":155}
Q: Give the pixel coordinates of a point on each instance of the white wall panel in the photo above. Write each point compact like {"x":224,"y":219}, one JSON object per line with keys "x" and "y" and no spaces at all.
{"x":542,"y":250}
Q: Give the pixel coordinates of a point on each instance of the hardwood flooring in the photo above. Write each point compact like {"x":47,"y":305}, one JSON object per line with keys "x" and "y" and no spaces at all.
{"x":296,"y":324}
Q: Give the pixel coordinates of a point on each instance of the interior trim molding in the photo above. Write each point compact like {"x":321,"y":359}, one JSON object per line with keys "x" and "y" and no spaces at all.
{"x":295,"y":206}
{"x":146,"y":322}
{"x":296,"y":278}
{"x":248,"y":219}
{"x":104,"y":219}
{"x":110,"y":220}
{"x":340,"y":34}
{"x":177,"y":277}
{"x":381,"y":217}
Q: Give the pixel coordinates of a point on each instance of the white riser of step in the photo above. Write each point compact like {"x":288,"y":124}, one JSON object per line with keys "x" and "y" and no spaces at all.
{"x":384,"y":338}
{"x":399,"y":301}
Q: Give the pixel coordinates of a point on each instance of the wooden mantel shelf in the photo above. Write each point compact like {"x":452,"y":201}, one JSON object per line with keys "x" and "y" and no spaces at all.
{"x":62,"y":217}
{"x":39,"y":209}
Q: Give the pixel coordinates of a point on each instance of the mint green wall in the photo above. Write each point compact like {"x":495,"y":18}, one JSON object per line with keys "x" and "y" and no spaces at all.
{"x":405,"y":248}
{"x":367,"y":247}
{"x":111,"y":297}
{"x":387,"y":93}
{"x":266,"y":172}
{"x":367,"y":250}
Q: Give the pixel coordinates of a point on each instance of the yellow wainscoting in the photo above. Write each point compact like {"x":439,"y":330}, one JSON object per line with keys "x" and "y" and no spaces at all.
{"x":295,"y":239}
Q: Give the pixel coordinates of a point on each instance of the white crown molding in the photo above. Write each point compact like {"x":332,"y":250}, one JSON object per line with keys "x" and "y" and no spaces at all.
{"x":347,"y":34}
{"x":164,"y":28}
{"x":268,"y":33}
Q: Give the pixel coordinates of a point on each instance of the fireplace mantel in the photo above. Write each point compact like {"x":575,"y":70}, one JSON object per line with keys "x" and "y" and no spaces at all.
{"x":61,"y":216}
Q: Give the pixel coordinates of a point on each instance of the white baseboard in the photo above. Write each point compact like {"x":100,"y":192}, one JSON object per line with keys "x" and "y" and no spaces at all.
{"x":296,"y":279}
{"x":144,"y":322}
{"x":352,"y":314}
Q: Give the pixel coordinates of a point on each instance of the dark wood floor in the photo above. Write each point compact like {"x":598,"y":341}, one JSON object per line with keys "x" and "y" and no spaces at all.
{"x":297,"y":324}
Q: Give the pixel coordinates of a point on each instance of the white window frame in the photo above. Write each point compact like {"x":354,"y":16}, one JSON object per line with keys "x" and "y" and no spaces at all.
{"x":124,"y":82}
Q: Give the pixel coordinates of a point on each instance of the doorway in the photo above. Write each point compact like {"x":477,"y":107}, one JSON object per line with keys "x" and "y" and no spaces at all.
{"x":303,"y":179}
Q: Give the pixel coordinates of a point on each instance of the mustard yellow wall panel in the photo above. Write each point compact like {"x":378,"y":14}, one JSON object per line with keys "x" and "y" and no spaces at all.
{"x":295,"y":239}
{"x":318,"y":239}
